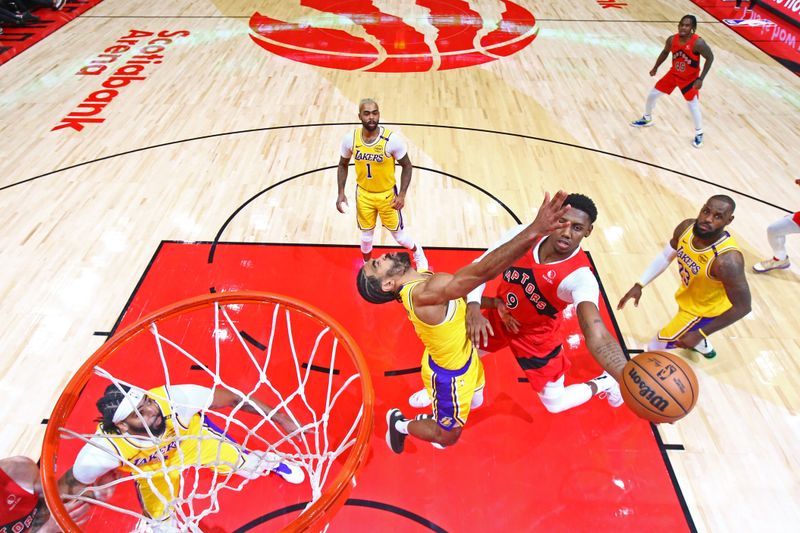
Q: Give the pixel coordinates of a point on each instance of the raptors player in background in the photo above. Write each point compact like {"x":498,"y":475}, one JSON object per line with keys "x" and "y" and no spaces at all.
{"x":776,"y":235}
{"x":527,"y":314}
{"x":22,"y":506}
{"x":686,"y":47}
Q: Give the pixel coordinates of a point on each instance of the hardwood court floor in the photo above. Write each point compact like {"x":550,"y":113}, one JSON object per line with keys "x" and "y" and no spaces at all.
{"x":220,"y":119}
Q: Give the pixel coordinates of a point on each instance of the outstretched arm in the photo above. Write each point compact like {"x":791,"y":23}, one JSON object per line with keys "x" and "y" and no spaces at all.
{"x":225,"y":398}
{"x":729,"y":269}
{"x":444,"y":287}
{"x":656,"y":267}
{"x":702,"y":48}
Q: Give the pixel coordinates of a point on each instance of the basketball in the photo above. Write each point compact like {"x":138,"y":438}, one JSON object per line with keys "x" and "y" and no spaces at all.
{"x":659,"y":387}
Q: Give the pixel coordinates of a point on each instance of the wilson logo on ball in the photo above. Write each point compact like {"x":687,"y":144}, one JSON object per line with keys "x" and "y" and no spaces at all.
{"x":428,"y":35}
{"x":647,"y":393}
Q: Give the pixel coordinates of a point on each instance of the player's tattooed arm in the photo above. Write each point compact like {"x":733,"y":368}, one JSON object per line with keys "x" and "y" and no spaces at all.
{"x":601,"y":344}
{"x":69,"y":485}
{"x":729,"y":269}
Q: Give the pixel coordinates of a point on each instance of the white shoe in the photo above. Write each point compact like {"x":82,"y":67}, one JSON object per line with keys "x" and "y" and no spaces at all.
{"x":258,"y":463}
{"x":420,"y":399}
{"x":291,"y":473}
{"x":419,"y":259}
{"x":608,"y":388}
{"x":771,"y":264}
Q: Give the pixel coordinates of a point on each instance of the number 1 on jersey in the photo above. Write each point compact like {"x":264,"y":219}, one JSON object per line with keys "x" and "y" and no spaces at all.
{"x":369,"y":172}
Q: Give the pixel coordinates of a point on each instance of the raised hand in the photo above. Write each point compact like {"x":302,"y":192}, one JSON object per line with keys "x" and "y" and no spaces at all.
{"x":551,"y":213}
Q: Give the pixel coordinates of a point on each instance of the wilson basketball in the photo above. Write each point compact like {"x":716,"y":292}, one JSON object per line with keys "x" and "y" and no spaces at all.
{"x":659,"y":386}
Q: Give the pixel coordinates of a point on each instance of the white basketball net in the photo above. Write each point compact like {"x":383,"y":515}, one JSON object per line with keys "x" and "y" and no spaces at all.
{"x":308,"y":446}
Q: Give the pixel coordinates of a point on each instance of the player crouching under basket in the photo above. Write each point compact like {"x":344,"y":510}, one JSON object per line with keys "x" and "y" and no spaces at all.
{"x":154,"y":435}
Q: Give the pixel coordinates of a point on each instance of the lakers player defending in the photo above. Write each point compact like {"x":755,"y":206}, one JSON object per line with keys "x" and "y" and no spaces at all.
{"x":452,"y":372}
{"x":713,"y":293}
{"x":376,"y":149}
{"x":154,"y":433}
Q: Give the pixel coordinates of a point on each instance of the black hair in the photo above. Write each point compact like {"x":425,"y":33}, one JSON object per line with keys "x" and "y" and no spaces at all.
{"x":369,"y":287}
{"x":692,"y":19}
{"x":581,"y":202}
{"x":725,"y":199}
{"x":108,"y":404}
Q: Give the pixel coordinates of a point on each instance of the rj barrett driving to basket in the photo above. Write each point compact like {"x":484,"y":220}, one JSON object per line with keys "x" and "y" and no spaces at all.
{"x":154,"y":435}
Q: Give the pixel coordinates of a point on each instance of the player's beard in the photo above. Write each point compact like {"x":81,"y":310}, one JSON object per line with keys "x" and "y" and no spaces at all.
{"x":159,"y":428}
{"x":709,"y":235}
{"x":401,"y":262}
{"x":370,"y":127}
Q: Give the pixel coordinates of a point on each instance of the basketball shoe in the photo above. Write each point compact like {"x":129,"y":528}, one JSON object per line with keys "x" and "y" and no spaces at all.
{"x":419,"y":259}
{"x":395,"y":439}
{"x":771,"y":264}
{"x":705,"y":349}
{"x":258,"y":463}
{"x":643,"y":122}
{"x":420,"y":399}
{"x":697,"y":142}
{"x":608,"y":388}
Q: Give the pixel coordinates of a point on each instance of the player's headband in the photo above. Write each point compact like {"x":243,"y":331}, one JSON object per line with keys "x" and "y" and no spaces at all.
{"x":128,"y":404}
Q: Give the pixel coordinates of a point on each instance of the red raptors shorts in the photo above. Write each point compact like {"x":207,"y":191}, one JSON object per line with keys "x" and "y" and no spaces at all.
{"x":668,"y":83}
{"x":796,"y":218}
{"x":539,"y":355}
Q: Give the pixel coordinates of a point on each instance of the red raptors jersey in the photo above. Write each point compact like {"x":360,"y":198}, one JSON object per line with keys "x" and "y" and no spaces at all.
{"x":17,"y":508}
{"x":685,"y":62}
{"x":530,"y":291}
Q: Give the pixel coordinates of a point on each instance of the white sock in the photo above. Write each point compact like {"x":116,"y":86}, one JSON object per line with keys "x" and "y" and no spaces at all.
{"x":650,"y":104}
{"x":603,"y":382}
{"x":366,"y":240}
{"x":557,"y":398}
{"x":403,"y":239}
{"x":704,"y":346}
{"x":776,"y":234}
{"x":402,"y":426}
{"x":694,"y":109}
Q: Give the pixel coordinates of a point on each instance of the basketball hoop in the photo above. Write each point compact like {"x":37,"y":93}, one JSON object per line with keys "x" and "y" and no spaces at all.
{"x":258,"y":346}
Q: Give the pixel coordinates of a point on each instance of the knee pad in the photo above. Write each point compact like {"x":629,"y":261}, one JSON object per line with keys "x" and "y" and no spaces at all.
{"x":366,"y":240}
{"x":402,"y":239}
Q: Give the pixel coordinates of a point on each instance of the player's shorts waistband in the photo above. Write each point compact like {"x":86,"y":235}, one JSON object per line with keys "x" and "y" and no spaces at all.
{"x":533,"y":362}
{"x":449,"y":372}
{"x":390,"y":189}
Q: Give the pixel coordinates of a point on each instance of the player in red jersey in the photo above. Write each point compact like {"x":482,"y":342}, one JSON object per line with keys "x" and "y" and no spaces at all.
{"x":22,"y":507}
{"x":686,"y":47}
{"x":776,"y":235}
{"x":526,"y":315}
